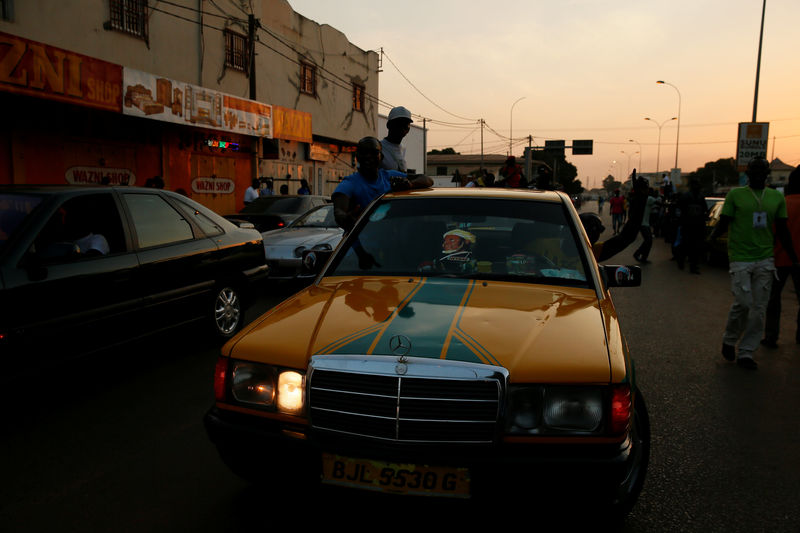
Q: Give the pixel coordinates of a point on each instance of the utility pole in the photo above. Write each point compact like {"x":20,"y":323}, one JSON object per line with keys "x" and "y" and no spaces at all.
{"x":481,"y":144}
{"x":758,"y":65}
{"x":251,"y":43}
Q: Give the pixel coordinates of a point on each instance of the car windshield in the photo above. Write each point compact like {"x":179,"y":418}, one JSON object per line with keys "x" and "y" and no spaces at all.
{"x":275,"y":204}
{"x":321,"y":217}
{"x":478,"y":238}
{"x":14,"y":208}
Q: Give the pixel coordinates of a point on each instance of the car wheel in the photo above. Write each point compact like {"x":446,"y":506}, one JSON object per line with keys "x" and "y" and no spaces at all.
{"x":628,"y":491}
{"x":227,"y":312}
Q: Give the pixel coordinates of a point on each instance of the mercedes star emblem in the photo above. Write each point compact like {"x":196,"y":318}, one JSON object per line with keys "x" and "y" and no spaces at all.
{"x":400,"y":345}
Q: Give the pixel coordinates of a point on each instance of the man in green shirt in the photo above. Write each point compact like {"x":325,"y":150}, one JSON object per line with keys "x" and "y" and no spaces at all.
{"x":755,"y":215}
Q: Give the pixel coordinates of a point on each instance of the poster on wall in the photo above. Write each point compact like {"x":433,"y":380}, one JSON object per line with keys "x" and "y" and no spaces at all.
{"x":149,"y":96}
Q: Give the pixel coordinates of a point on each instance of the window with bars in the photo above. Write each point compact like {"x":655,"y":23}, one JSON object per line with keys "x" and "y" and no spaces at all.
{"x":129,"y":16}
{"x":6,"y":9}
{"x":236,"y":51}
{"x":308,"y":79}
{"x":358,"y":97}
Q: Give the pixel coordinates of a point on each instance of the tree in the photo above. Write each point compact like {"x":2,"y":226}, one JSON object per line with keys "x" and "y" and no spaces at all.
{"x":719,"y":172}
{"x":446,"y":151}
{"x":610,"y":184}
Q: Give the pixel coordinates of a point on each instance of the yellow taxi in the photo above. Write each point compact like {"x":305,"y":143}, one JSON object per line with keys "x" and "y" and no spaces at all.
{"x":458,"y":343}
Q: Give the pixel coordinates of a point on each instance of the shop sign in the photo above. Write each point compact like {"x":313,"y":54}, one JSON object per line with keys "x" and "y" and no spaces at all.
{"x":751,"y":143}
{"x":36,"y":69}
{"x":213,"y":185}
{"x":317,"y":152}
{"x":154,"y":97}
{"x":99,"y":176}
{"x":292,"y":125}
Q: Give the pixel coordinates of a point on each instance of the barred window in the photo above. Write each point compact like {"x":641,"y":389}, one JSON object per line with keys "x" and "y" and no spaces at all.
{"x":236,"y":51}
{"x":308,"y":79}
{"x":7,"y":9}
{"x":129,"y":16}
{"x":358,"y":97}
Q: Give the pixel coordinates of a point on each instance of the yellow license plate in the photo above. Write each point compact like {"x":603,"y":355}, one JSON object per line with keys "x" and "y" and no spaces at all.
{"x":397,"y":478}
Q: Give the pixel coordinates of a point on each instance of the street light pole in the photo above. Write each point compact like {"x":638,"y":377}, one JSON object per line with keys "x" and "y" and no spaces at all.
{"x":511,"y":125}
{"x":640,"y":153}
{"x":678,"y":137}
{"x":658,"y":154}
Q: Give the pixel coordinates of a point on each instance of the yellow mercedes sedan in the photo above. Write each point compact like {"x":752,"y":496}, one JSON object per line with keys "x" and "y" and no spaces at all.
{"x":457,"y":343}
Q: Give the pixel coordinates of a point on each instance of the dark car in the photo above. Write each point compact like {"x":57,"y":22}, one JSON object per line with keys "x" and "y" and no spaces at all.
{"x":275,"y":212}
{"x":460,"y":342}
{"x":83,"y":268}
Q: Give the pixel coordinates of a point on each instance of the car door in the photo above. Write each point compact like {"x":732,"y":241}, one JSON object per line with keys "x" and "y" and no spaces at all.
{"x":176,"y":260}
{"x":61,"y":296}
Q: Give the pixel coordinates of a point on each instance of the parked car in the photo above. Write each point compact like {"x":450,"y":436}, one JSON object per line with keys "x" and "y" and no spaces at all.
{"x":274,"y":212}
{"x":314,"y":230}
{"x":84,"y":268}
{"x":717,"y":250}
{"x":459,"y":343}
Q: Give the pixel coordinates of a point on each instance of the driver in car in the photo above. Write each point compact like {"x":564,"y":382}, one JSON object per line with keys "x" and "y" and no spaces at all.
{"x":457,"y":251}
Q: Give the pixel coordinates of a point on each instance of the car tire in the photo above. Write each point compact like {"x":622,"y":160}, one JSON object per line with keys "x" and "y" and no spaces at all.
{"x":227,"y":311}
{"x":628,"y":491}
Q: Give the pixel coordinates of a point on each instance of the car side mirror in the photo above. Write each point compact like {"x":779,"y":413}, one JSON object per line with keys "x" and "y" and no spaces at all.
{"x":313,"y":261}
{"x":243,"y":224}
{"x":621,"y":275}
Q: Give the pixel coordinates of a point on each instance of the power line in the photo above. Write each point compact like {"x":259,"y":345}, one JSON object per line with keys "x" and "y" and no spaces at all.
{"x":420,"y":92}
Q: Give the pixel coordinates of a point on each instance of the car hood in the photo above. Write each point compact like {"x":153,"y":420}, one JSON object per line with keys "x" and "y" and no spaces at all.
{"x":300,"y":236}
{"x":539,"y":333}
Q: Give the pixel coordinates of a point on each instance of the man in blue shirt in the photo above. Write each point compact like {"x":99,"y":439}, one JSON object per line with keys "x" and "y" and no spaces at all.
{"x":358,"y":190}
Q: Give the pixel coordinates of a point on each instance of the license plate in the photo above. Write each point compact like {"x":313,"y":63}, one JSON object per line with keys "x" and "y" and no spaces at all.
{"x":421,"y":480}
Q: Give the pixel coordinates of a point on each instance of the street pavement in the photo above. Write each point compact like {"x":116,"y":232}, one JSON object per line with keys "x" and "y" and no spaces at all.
{"x":725,"y":440}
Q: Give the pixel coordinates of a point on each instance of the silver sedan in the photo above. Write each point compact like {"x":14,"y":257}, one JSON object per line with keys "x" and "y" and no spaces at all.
{"x":284,"y":247}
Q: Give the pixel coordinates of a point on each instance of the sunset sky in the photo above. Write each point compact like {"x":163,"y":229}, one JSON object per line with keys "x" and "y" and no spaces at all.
{"x":587,"y":69}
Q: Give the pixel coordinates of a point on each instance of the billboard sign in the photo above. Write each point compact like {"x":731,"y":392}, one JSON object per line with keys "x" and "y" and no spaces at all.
{"x":154,"y":97}
{"x":751,"y":143}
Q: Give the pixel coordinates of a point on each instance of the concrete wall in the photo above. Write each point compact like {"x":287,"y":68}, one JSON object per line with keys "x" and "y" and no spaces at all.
{"x":180,"y":48}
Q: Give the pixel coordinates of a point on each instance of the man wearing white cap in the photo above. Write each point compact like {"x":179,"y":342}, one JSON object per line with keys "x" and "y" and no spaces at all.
{"x":398,"y":124}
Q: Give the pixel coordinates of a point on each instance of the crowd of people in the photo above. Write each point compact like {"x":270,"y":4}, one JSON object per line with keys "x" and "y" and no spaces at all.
{"x":260,"y":187}
{"x":763,"y":227}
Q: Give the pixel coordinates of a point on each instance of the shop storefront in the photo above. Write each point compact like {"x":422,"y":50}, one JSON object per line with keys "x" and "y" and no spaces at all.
{"x":73,"y":119}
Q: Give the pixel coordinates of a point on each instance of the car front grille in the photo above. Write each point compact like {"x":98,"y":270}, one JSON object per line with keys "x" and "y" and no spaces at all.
{"x":375,"y":404}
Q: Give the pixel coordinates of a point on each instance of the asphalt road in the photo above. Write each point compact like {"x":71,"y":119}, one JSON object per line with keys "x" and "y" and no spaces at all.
{"x":115,"y":442}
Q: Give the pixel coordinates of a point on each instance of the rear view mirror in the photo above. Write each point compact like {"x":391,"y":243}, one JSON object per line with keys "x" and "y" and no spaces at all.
{"x":622,"y":275}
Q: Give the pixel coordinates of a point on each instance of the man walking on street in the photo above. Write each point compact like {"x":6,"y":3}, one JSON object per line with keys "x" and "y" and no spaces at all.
{"x":643,"y":251}
{"x":751,"y":212}
{"x":784,"y":266}
{"x":691,"y":224}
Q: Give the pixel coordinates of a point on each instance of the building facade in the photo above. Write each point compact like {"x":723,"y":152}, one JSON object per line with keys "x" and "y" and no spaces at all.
{"x":120,"y":91}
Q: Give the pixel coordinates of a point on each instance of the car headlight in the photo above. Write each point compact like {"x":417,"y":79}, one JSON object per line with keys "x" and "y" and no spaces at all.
{"x":541,"y":410}
{"x":267,"y":387}
{"x":290,"y":391}
{"x":298,"y":252}
{"x":573,"y":409}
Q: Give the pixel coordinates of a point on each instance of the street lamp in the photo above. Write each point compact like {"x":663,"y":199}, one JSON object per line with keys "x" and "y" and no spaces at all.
{"x":658,"y":155}
{"x":640,"y":152}
{"x":678,"y":137}
{"x":511,"y":125}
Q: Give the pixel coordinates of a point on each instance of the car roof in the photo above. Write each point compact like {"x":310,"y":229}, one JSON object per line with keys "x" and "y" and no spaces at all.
{"x":483,"y":192}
